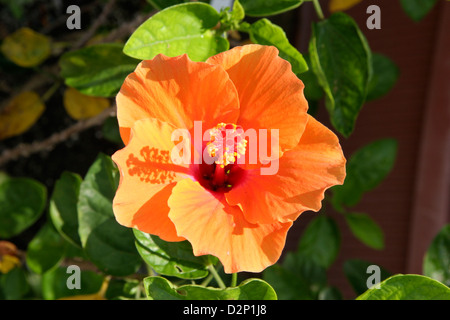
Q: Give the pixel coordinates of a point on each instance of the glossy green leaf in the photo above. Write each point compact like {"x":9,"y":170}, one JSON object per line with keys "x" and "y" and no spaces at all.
{"x":185,"y":28}
{"x":63,"y":206}
{"x":107,"y":244}
{"x":14,"y":285}
{"x":366,"y":168}
{"x":297,"y":278}
{"x":98,"y":70}
{"x":357,"y":272}
{"x":45,"y":250}
{"x":320,"y":241}
{"x":408,"y":287}
{"x":365,"y":229}
{"x":54,"y":283}
{"x":158,"y":288}
{"x":260,"y":8}
{"x":436,"y":263}
{"x":341,"y":60}
{"x":170,"y":258}
{"x":385,"y":75}
{"x":266,"y":33}
{"x":22,"y":201}
{"x":162,"y":4}
{"x":417,"y":9}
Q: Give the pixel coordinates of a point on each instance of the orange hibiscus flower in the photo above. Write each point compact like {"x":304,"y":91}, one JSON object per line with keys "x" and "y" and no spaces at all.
{"x":224,"y":207}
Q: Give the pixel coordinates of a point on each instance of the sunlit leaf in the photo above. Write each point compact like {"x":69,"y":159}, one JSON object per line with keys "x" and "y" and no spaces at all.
{"x":26,"y":47}
{"x":260,"y":8}
{"x":80,"y":106}
{"x":266,"y":33}
{"x":158,"y":288}
{"x":408,"y":287}
{"x":341,"y":5}
{"x":185,"y":28}
{"x":20,"y":114}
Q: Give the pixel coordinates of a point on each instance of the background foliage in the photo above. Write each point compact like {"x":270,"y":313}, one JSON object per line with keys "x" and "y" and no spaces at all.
{"x":70,"y":221}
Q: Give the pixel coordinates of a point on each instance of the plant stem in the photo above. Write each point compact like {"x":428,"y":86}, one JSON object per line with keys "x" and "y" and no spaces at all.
{"x":49,"y":93}
{"x":318,"y":9}
{"x":216,"y":276}
{"x":207,"y":280}
{"x":233,"y":280}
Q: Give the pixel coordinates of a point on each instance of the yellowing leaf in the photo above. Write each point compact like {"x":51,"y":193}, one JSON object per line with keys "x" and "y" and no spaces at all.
{"x":80,"y":106}
{"x":26,"y":47}
{"x":7,"y":263}
{"x":20,"y":114}
{"x":341,"y":5}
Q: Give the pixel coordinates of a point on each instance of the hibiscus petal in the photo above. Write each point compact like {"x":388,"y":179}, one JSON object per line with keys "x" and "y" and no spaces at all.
{"x":270,"y":94}
{"x":147,"y":176}
{"x":178,"y":91}
{"x":214,"y":227}
{"x":304,"y":174}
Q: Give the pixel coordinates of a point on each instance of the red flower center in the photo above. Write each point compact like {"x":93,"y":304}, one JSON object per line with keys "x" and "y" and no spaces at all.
{"x":226,"y":146}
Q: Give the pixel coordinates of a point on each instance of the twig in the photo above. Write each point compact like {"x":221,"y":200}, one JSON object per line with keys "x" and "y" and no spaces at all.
{"x":25,"y":150}
{"x":98,"y":22}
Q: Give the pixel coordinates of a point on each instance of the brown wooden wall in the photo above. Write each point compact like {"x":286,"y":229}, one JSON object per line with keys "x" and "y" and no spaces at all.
{"x":411,"y":205}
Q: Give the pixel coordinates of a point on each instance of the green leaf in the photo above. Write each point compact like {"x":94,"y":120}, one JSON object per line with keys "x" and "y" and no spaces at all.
{"x":385,"y":75}
{"x":330,"y":293}
{"x":171,"y":258}
{"x":297,"y":278}
{"x":266,"y":33}
{"x":98,"y":70}
{"x":366,"y":168}
{"x":54,"y":283}
{"x":162,"y":4}
{"x":45,"y":250}
{"x":357,"y":274}
{"x":184,"y":28}
{"x":417,"y":9}
{"x":108,"y":245}
{"x":110,"y":130}
{"x":320,"y":241}
{"x":22,"y":201}
{"x":436,"y":264}
{"x":341,"y":60}
{"x":63,"y":206}
{"x":365,"y":229}
{"x":408,"y":287}
{"x":122,"y":288}
{"x":158,"y":288}
{"x":238,"y":12}
{"x":14,"y":285}
{"x":312,"y":91}
{"x":260,"y":8}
